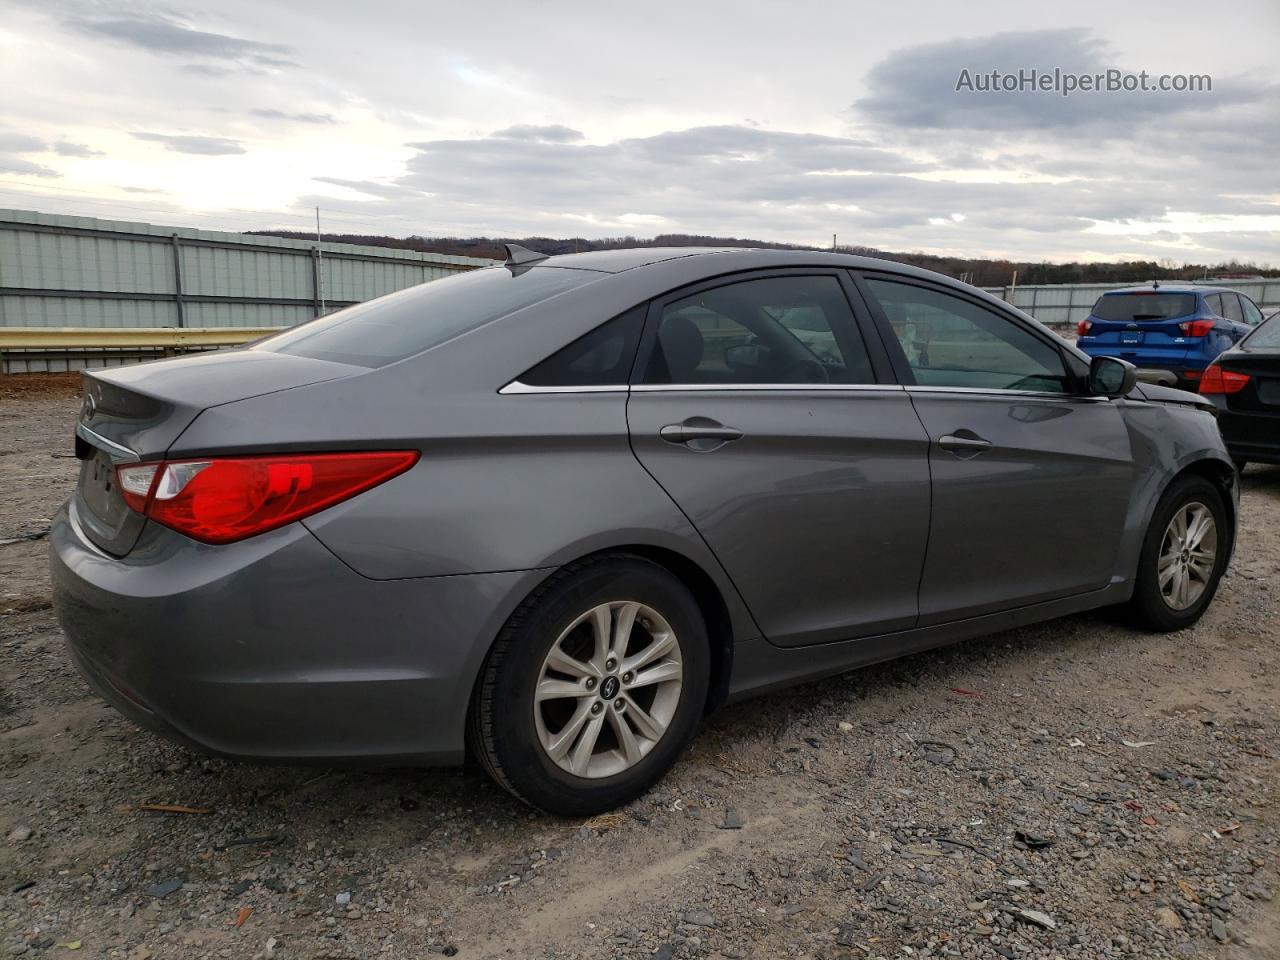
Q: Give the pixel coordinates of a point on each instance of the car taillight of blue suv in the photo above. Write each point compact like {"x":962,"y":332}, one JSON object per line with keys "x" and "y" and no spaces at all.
{"x":1170,"y":333}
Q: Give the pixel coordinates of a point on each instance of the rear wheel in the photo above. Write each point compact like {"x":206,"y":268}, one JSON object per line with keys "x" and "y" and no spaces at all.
{"x":593,"y":688}
{"x":1183,"y":557}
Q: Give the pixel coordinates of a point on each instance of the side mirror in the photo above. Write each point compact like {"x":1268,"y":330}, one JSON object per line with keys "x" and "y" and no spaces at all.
{"x":1111,"y":377}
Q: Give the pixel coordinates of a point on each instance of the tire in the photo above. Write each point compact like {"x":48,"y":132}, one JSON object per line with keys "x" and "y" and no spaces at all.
{"x":1156,"y":606}
{"x":548,"y":644}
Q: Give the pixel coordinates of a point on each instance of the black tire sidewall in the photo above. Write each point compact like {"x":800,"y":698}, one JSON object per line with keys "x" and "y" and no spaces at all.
{"x":532,"y":774}
{"x":1148,"y":605}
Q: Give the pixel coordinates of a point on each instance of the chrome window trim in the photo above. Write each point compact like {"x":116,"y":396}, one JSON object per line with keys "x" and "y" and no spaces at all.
{"x":763,"y":387}
{"x":117,"y":452}
{"x":516,"y":387}
{"x":1000,"y":393}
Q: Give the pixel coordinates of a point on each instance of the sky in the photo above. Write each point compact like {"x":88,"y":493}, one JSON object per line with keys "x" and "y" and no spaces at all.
{"x":784,"y":121}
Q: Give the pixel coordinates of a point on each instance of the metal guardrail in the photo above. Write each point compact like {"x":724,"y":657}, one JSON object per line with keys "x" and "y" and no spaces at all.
{"x":118,"y":343}
{"x":51,"y":338}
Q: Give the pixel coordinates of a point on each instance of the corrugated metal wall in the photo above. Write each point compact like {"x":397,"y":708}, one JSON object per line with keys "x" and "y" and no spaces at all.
{"x":58,"y":271}
{"x":1061,"y":306}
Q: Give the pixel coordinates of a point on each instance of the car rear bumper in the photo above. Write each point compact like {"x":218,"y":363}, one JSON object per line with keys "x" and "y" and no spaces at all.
{"x":274,"y":649}
{"x":1251,"y":436}
{"x":1156,"y":364}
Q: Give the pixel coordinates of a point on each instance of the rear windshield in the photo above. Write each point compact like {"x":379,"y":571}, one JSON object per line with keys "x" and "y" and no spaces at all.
{"x":396,"y":326}
{"x":1267,"y":334}
{"x":1144,"y":306}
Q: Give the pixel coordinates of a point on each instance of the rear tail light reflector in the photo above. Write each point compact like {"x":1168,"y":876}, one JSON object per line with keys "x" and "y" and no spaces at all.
{"x":1083,"y":327}
{"x":1217,"y":380}
{"x":1196,"y":328}
{"x":221,"y":500}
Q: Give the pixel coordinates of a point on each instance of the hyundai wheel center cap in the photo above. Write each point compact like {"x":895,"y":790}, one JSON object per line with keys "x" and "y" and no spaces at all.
{"x":609,"y":689}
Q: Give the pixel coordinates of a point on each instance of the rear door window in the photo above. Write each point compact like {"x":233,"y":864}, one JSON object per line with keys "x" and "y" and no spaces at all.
{"x":1144,"y":307}
{"x":1231,"y":308}
{"x":390,"y":328}
{"x":772,"y":330}
{"x":1214,"y":302}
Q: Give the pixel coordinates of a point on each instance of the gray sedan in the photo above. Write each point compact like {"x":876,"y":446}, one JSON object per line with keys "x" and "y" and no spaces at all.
{"x":551,"y":513}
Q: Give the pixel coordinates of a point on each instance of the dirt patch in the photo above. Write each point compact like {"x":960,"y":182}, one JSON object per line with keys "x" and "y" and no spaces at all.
{"x":1070,"y":790}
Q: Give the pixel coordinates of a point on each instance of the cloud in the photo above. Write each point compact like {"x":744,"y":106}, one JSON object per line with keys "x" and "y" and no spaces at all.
{"x":11,"y":164}
{"x":777,"y":184}
{"x":267,"y":114}
{"x":555,"y":133}
{"x":165,"y":36}
{"x":65,"y":148}
{"x":202,"y":146}
{"x":21,"y":143}
{"x":372,"y":188}
{"x":916,"y":87}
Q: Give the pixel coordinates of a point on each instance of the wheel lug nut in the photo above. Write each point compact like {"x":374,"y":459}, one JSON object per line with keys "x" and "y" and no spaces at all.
{"x":619,"y":704}
{"x":591,"y":683}
{"x":611,"y":664}
{"x":628,"y":677}
{"x":597,"y":707}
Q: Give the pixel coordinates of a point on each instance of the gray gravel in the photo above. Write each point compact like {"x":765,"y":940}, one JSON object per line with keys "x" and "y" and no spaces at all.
{"x":1072,"y":790}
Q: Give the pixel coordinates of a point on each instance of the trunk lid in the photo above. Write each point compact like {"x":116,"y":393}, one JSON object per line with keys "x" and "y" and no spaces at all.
{"x":135,"y":413}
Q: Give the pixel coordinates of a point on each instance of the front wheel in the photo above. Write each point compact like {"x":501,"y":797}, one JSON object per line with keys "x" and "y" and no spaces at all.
{"x":1183,"y":557}
{"x":593,"y":688}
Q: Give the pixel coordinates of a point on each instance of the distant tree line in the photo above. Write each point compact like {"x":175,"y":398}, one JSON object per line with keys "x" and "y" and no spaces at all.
{"x":981,"y":272}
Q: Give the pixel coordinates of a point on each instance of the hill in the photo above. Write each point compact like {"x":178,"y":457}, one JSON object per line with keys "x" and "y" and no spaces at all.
{"x":979,"y":271}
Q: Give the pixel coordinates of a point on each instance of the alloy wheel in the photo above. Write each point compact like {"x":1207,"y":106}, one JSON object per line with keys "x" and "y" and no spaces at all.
{"x":608,"y":689}
{"x":1188,"y":554}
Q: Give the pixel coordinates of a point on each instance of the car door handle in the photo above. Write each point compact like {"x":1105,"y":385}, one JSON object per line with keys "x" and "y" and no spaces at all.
{"x":963,"y":442}
{"x":702,"y":431}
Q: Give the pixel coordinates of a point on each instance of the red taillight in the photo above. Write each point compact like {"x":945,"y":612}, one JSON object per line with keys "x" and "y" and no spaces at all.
{"x":1217,"y":380}
{"x":1083,"y":327}
{"x":1192,"y":374}
{"x":1196,"y":328}
{"x":221,"y":500}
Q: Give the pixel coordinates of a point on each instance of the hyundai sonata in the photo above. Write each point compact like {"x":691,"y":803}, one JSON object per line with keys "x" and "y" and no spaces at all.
{"x":553,"y":512}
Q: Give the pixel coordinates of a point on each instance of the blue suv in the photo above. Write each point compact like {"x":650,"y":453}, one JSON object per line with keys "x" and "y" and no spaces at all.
{"x":1170,"y":333}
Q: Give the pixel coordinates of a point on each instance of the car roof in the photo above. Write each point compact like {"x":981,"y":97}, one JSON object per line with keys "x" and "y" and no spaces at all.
{"x":1170,"y":288}
{"x":615,"y":261}
{"x":728,"y":259}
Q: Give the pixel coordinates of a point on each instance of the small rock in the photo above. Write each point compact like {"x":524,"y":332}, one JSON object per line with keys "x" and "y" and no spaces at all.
{"x":845,"y":726}
{"x":1219,"y":930}
{"x":698,"y":918}
{"x":342,"y":899}
{"x":20,"y":834}
{"x":732,"y":819}
{"x":1038,"y":918}
{"x":665,"y":952}
{"x":164,"y":888}
{"x":1168,"y":918}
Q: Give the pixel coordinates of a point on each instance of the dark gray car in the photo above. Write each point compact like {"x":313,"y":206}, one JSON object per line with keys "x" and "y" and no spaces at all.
{"x":553,"y":512}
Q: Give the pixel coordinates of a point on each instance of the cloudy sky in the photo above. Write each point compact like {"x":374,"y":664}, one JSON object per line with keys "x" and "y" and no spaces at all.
{"x":754,"y":118}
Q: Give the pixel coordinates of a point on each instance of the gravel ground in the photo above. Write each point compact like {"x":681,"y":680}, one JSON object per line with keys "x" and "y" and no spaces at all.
{"x":1072,"y":790}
